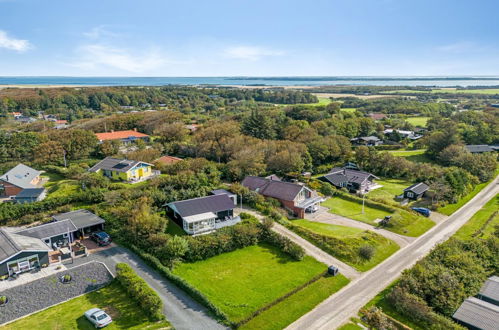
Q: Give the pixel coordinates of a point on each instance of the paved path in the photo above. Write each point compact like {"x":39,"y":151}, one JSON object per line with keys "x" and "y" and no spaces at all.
{"x":338,"y":308}
{"x":309,"y":248}
{"x":324,"y":216}
{"x":180,"y":309}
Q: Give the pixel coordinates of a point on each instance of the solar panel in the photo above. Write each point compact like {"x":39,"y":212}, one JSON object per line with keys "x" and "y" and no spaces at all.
{"x":120,"y":166}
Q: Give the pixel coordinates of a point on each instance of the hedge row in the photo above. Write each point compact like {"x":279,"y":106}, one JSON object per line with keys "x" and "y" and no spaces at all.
{"x":140,"y":291}
{"x":283,"y":243}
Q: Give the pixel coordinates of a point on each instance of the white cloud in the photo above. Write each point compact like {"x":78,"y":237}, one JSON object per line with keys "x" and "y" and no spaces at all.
{"x":250,"y":53}
{"x":10,"y":43}
{"x":99,"y":55}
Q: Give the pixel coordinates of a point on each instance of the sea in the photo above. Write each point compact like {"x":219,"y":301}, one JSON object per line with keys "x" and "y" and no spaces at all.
{"x":463,"y":81}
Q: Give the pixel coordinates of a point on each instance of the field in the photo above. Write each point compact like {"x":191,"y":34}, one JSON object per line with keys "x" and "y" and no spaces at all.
{"x":487,"y":91}
{"x":417,"y":156}
{"x":404,"y":222}
{"x":69,"y":315}
{"x":390,"y":189}
{"x":324,"y":100}
{"x":418,"y":121}
{"x":483,"y":223}
{"x":245,"y":280}
{"x":353,"y":239}
{"x":348,"y":109}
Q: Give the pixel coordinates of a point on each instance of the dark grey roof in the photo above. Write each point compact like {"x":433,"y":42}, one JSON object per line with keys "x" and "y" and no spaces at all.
{"x":21,"y":176}
{"x":80,"y":218}
{"x":477,"y":148}
{"x":115,"y":164}
{"x":214,"y":203}
{"x":271,"y":188}
{"x":11,"y":244}
{"x":336,"y":179}
{"x":478,"y":313}
{"x":355,"y":176}
{"x":418,"y":188}
{"x":49,"y":229}
{"x":7,"y":246}
{"x":491,"y":288}
{"x":30,"y":193}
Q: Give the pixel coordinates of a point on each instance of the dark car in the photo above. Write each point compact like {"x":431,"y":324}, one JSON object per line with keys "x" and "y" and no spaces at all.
{"x":422,"y":210}
{"x":101,"y":238}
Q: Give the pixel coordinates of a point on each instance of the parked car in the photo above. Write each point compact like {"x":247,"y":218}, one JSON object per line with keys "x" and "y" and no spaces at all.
{"x":98,"y":317}
{"x":102,"y":238}
{"x":422,"y":210}
{"x":312,"y":209}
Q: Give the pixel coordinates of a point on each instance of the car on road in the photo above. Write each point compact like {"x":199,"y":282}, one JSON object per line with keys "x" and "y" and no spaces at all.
{"x":102,"y":238}
{"x":422,"y":210}
{"x":98,"y":317}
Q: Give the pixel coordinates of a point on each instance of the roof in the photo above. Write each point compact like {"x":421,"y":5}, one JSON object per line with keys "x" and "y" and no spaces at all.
{"x":30,"y":193}
{"x":377,"y":116}
{"x":194,"y":206}
{"x":80,"y":218}
{"x":21,"y":176}
{"x":272,"y":188}
{"x":168,"y":159}
{"x":199,"y":217}
{"x":120,"y":135}
{"x":370,"y":138}
{"x":11,"y":244}
{"x":336,"y":179}
{"x":49,"y":229}
{"x":418,"y":188}
{"x":115,"y":164}
{"x":478,"y":313}
{"x":354,"y":176}
{"x":477,"y":148}
{"x":491,"y":288}
{"x":221,"y":192}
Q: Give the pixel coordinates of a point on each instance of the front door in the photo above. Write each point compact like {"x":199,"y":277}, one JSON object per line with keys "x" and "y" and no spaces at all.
{"x":141,"y":172}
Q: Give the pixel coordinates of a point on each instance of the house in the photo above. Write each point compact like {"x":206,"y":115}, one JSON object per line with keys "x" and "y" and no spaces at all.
{"x":475,"y":313}
{"x":367,"y":141}
{"x":351,"y":178}
{"x":416,"y":191}
{"x":377,"y":116}
{"x":294,"y":197}
{"x":16,"y":114}
{"x":124,"y":169}
{"x":192,"y":127}
{"x":405,"y":134}
{"x":490,"y":291}
{"x":20,"y":253}
{"x":125,"y":137}
{"x":479,"y":148}
{"x":168,"y":160}
{"x":65,"y":228}
{"x":225,"y":192}
{"x":204,"y":214}
{"x":25,"y":119}
{"x":30,"y":195}
{"x":18,"y":178}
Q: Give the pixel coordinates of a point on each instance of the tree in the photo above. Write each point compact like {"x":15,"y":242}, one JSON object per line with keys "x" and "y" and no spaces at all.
{"x":176,"y":247}
{"x":49,"y":153}
{"x":259,"y":125}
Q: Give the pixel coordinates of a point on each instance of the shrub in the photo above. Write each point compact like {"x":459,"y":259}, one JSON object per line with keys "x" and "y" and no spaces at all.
{"x":367,"y":252}
{"x":283,"y":243}
{"x":140,"y":291}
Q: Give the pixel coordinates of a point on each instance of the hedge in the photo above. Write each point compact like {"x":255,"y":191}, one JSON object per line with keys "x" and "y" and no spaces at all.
{"x":140,"y":291}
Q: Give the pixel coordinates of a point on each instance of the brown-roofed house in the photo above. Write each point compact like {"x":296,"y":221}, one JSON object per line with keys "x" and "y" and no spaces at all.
{"x":168,"y":160}
{"x":125,"y":137}
{"x":294,"y":197}
{"x":377,"y":116}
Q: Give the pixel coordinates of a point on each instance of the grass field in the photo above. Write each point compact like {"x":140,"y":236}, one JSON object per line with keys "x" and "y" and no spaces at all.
{"x":417,"y":156}
{"x":418,"y":121}
{"x":245,"y":280}
{"x":69,"y":315}
{"x":289,"y":310}
{"x":324,"y":101}
{"x":353,"y":239}
{"x":487,"y":91}
{"x":174,"y":229}
{"x":405,"y":223}
{"x":482,"y":224}
{"x":348,"y":109}
{"x":390,"y":189}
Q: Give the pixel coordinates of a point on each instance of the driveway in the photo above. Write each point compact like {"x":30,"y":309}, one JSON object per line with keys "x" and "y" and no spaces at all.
{"x":180,"y":309}
{"x":323,"y":215}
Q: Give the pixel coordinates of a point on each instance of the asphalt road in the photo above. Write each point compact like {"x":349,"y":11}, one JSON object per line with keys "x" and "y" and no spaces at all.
{"x":338,"y":308}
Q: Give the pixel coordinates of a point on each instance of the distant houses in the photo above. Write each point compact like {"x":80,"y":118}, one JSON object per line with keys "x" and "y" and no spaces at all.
{"x":17,"y":179}
{"x":124,"y":169}
{"x":125,"y":137}
{"x":296,"y":198}
{"x":168,"y":160}
{"x":367,"y":141}
{"x":481,"y":148}
{"x":411,"y":135}
{"x":377,"y":116}
{"x":204,"y":214}
{"x":416,"y":191}
{"x":352,"y":179}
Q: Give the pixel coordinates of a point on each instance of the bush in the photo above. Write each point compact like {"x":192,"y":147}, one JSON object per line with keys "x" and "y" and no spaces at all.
{"x":283,"y":243}
{"x":367,"y":252}
{"x":140,"y":291}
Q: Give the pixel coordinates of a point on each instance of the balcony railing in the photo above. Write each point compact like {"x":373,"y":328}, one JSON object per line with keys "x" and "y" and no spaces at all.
{"x":229,"y":221}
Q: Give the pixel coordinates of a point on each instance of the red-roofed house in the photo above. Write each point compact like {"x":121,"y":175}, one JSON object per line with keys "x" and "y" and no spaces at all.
{"x":167,"y":160}
{"x":125,"y":137}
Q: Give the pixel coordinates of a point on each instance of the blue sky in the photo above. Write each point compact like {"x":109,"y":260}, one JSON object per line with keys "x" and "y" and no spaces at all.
{"x":249,"y":37}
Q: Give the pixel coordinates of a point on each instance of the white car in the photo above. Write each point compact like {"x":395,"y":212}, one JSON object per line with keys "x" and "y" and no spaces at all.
{"x":98,"y":317}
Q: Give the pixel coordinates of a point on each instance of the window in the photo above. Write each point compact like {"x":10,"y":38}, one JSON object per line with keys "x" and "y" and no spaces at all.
{"x":410,"y":194}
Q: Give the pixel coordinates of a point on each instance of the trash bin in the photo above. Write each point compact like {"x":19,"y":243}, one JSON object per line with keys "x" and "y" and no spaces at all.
{"x":332,"y":270}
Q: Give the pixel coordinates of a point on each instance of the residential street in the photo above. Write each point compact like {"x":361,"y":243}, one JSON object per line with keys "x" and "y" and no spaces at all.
{"x":180,"y":309}
{"x":337,"y":309}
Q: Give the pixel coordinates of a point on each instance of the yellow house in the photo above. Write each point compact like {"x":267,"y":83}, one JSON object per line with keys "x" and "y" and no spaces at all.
{"x":124,"y":169}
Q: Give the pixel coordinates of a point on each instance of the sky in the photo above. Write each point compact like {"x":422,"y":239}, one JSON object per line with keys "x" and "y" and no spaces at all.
{"x":249,"y":38}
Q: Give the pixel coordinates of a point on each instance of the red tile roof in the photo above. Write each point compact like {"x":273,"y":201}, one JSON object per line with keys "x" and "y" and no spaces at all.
{"x":118,"y":135}
{"x":168,"y":159}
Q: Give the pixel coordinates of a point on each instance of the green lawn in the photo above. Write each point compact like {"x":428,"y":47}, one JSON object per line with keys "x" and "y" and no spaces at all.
{"x":349,"y":109}
{"x":289,"y":310}
{"x":69,"y":315}
{"x":323,"y":100}
{"x":482,"y":224}
{"x":174,"y":229}
{"x":62,"y":188}
{"x":245,"y":280}
{"x":403,"y":222}
{"x":390,"y":189}
{"x":418,"y":121}
{"x":417,"y":156}
{"x":353,"y":239}
{"x":350,"y":326}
